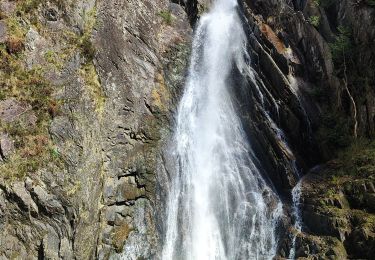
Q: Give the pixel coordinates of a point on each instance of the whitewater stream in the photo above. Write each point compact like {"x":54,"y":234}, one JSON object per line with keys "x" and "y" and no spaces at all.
{"x":218,"y":206}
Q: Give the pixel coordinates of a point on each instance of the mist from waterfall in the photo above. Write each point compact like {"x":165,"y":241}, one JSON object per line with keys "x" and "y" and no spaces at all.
{"x":218,"y":206}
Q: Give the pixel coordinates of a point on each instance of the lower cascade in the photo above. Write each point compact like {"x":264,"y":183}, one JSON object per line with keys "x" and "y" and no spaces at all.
{"x":218,"y":206}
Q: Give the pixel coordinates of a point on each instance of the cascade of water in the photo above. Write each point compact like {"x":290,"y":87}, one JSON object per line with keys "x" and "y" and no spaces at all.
{"x":218,"y":205}
{"x":296,"y":195}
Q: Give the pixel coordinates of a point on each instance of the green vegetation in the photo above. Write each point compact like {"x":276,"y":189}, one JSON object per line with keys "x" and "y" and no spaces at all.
{"x":342,"y":47}
{"x":88,"y":73}
{"x":334,"y":132}
{"x":359,"y":158}
{"x":337,"y":131}
{"x":316,"y":2}
{"x":167,"y":17}
{"x":34,"y":148}
{"x":84,"y":42}
{"x":370,"y":2}
{"x":355,"y":162}
{"x":25,"y":85}
{"x":314,"y":20}
{"x":28,"y":6}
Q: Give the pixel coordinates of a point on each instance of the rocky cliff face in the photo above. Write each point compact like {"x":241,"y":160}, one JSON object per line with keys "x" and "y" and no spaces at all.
{"x":112,"y":71}
{"x":321,"y":54}
{"x":89,"y":89}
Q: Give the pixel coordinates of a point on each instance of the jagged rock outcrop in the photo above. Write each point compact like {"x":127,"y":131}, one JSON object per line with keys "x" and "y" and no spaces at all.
{"x":115,"y":68}
{"x":142,"y":56}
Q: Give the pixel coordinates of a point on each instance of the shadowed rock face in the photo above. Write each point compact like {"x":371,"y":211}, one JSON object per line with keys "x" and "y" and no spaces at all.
{"x":117,"y":70}
{"x":280,"y":25}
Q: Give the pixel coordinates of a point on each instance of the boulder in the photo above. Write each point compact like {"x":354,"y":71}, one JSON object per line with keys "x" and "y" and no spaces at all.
{"x":6,"y":146}
{"x":11,"y":109}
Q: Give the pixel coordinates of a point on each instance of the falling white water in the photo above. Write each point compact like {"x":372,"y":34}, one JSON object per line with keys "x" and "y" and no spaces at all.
{"x":218,"y":206}
{"x":296,"y":195}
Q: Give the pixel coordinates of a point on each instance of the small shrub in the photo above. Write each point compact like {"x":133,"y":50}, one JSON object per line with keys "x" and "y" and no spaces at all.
{"x":50,"y":56}
{"x":53,"y":108}
{"x":84,"y":42}
{"x":342,"y":46}
{"x":14,"y":45}
{"x":54,"y":153}
{"x":314,"y":20}
{"x":316,"y":2}
{"x":88,"y":49}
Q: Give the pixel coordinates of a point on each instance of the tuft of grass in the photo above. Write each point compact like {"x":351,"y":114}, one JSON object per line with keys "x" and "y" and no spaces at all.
{"x":85,"y":44}
{"x":167,"y":16}
{"x":316,"y":2}
{"x":88,"y":73}
{"x":15,"y":27}
{"x":82,"y":42}
{"x":32,"y":142}
{"x":33,"y":152}
{"x":28,"y":6}
{"x":54,"y":59}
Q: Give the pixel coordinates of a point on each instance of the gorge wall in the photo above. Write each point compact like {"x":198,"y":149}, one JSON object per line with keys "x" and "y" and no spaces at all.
{"x":88,"y":94}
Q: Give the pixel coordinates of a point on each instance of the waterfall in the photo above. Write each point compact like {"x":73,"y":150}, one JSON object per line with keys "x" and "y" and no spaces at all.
{"x":296,"y":195}
{"x":218,"y":206}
